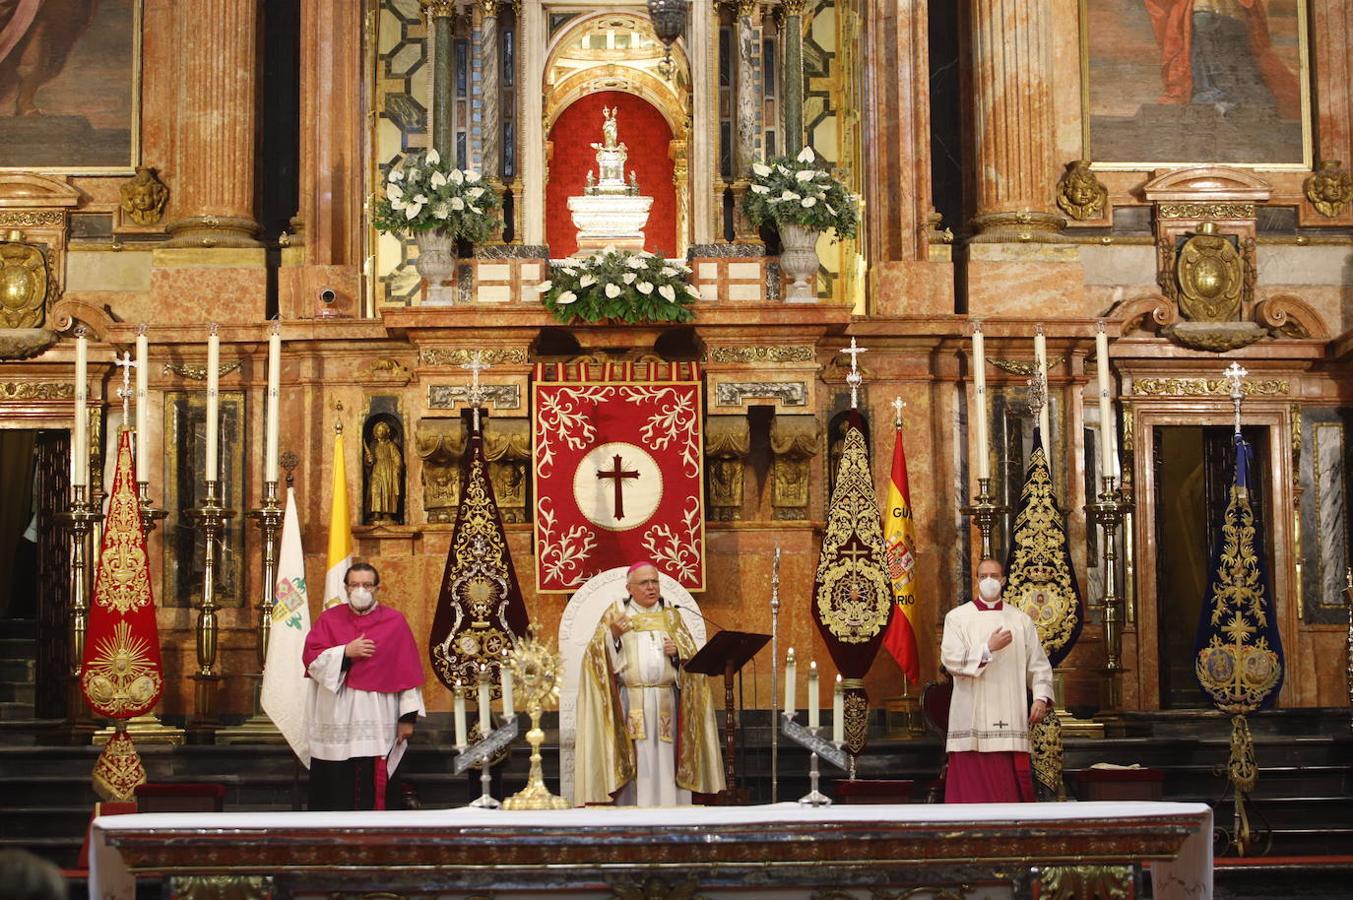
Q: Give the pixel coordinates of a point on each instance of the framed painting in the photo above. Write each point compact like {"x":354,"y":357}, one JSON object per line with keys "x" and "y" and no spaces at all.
{"x":70,"y":85}
{"x":1195,"y":82}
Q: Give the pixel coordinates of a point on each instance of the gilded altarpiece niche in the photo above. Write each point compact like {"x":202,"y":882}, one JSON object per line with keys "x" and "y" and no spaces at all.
{"x":1325,"y":464}
{"x":1171,"y":82}
{"x":185,"y":441}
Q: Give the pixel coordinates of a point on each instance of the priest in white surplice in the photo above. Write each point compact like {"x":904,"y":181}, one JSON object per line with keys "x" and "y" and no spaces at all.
{"x":365,"y":695}
{"x":993,"y":652}
{"x":646,"y":732}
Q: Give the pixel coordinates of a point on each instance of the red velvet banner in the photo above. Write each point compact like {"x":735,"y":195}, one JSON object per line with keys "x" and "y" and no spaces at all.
{"x":121,"y":674}
{"x":644,"y":132}
{"x":619,"y":477}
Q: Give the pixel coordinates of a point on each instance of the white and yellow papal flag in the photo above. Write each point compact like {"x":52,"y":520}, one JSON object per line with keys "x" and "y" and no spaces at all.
{"x":340,"y":532}
{"x":284,"y":689}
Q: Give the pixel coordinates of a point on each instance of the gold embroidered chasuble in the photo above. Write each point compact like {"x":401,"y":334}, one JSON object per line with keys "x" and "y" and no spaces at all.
{"x":605,"y":757}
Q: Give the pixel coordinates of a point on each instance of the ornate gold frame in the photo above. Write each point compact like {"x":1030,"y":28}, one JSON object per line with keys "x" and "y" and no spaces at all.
{"x":1307,"y":136}
{"x":138,"y":22}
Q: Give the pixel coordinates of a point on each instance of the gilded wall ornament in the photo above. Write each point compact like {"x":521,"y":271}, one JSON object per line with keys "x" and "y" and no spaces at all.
{"x":1207,"y":387}
{"x":784,"y":393}
{"x":1194,"y":210}
{"x":1080,"y":194}
{"x":199,"y":373}
{"x":449,"y":396}
{"x":30,"y":390}
{"x":727,"y":440}
{"x":144,"y":197}
{"x":441,"y":444}
{"x":507,"y":447}
{"x":1211,"y":277}
{"x":449,"y":356}
{"x":23,"y":284}
{"x":761,"y":353}
{"x":793,"y":442}
{"x":1329,"y":187}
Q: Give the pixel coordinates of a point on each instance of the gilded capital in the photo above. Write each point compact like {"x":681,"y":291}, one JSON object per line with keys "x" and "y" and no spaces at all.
{"x":487,"y":8}
{"x":746,"y":8}
{"x":438,"y":9}
{"x":793,"y":7}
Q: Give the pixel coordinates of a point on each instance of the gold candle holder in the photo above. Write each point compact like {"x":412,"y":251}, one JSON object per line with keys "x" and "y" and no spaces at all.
{"x":79,"y":519}
{"x":1108,"y":512}
{"x":151,"y":515}
{"x":211,"y":517}
{"x":984,"y":513}
{"x":535,"y":669}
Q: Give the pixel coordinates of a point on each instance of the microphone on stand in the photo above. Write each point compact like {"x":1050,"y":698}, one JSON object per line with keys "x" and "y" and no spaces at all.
{"x":695,"y":610}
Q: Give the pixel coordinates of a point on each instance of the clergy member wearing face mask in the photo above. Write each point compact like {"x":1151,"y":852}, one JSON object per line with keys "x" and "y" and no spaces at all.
{"x":993,"y":652}
{"x":366,"y":680}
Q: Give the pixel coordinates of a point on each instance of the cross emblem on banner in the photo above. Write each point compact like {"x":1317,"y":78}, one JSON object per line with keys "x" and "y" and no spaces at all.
{"x":618,"y":476}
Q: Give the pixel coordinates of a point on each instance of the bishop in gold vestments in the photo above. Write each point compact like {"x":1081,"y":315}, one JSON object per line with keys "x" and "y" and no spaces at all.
{"x":646,"y":732}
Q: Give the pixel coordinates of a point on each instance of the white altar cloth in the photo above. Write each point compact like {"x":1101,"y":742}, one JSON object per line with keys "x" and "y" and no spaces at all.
{"x":1187,"y":877}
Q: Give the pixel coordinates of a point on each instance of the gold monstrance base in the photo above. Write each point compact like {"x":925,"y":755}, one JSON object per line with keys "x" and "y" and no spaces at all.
{"x":536,"y":668}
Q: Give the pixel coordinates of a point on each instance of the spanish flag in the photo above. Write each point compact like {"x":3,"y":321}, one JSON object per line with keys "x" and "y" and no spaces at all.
{"x":340,"y":531}
{"x":900,"y":541}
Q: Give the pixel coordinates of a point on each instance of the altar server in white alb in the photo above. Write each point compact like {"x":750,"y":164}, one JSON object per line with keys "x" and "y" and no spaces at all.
{"x":365,"y":695}
{"x":646,"y":731}
{"x":993,"y":652}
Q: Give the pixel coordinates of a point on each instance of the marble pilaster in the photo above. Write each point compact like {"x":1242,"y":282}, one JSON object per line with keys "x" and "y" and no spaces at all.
{"x":217,"y":118}
{"x":490,"y":163}
{"x":748,"y":114}
{"x":701,"y":48}
{"x":792,"y":75}
{"x":531,"y":49}
{"x":1013,"y":121}
{"x":441,"y":16}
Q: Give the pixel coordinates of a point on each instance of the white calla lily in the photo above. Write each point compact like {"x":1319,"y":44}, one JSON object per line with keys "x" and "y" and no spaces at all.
{"x":457,"y":204}
{"x":566,"y":298}
{"x":437,"y":180}
{"x":761,"y":169}
{"x":544,"y":286}
{"x":760,"y":189}
{"x":395,"y":175}
{"x":805,"y":175}
{"x":393,"y":192}
{"x":613,"y":291}
{"x":434,"y":157}
{"x":412,"y":210}
{"x":456,"y":177}
{"x":669,"y":272}
{"x":789,"y":195}
{"x":644,"y":287}
{"x":440,"y":211}
{"x":628,"y":277}
{"x":587,"y":280}
{"x":471,"y":177}
{"x":808,"y":202}
{"x":806,"y":155}
{"x":667,"y":292}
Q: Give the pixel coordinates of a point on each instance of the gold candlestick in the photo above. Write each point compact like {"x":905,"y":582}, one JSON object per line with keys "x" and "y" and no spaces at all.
{"x":1108,"y":512}
{"x":211,"y":516}
{"x":79,"y":519}
{"x":150,"y":514}
{"x":1348,"y":658}
{"x":535,"y":668}
{"x":984,"y":513}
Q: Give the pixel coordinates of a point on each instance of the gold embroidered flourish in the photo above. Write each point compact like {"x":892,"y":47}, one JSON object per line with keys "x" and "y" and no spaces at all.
{"x":1040,"y":580}
{"x":854,"y":595}
{"x":1238,"y":669}
{"x":121,"y":680}
{"x":119,"y":769}
{"x":123,"y":582}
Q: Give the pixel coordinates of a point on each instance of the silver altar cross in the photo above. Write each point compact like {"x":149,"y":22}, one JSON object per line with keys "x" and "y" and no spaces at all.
{"x":1235,"y":376}
{"x":126,"y":364}
{"x":854,"y":379}
{"x":898,"y":405}
{"x":476,"y":396}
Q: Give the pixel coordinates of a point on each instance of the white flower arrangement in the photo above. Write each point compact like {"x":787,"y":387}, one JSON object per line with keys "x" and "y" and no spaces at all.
{"x":802,"y":192}
{"x":424,"y":194}
{"x":619,"y":286}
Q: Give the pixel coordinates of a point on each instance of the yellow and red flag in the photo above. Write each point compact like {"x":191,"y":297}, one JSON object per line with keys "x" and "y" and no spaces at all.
{"x":120,"y":671}
{"x":900,"y":541}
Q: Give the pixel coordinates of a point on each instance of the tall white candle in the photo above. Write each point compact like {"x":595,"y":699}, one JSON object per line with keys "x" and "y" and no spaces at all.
{"x":979,"y":384}
{"x":274,"y":395}
{"x":1041,"y":358}
{"x":505,"y":671}
{"x":213,"y":402}
{"x":814,"y":712}
{"x":79,"y":440}
{"x":485,"y":722}
{"x":1107,"y":425}
{"x":791,"y":672}
{"x":142,"y":408}
{"x":462,"y":738}
{"x":839,"y":713}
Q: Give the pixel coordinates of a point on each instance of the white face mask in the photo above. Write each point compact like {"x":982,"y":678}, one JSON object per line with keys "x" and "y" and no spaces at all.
{"x":360,"y":599}
{"x":989,"y":588}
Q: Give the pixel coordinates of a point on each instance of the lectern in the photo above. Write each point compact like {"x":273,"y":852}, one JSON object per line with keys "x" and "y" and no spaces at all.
{"x":725,"y":654}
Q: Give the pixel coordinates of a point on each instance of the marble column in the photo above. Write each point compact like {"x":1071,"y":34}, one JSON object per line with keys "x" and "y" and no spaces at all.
{"x":490,"y":163}
{"x":1013,"y":122}
{"x":702,"y":52}
{"x":441,"y":16}
{"x":748,"y":114}
{"x":218,"y":59}
{"x":791,"y":75}
{"x":531,"y":46}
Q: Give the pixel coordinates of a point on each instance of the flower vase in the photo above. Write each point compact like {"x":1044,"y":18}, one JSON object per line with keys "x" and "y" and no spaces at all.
{"x":436,"y":262}
{"x":798,"y":260}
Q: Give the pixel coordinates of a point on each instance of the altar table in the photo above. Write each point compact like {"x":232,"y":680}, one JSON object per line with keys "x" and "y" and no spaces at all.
{"x":784,"y":850}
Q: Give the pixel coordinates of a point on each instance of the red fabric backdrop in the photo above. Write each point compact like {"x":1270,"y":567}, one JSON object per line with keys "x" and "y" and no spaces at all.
{"x":645,"y":132}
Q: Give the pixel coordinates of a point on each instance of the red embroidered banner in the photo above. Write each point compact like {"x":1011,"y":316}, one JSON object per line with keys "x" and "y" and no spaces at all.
{"x":619,"y":476}
{"x":120,"y":673}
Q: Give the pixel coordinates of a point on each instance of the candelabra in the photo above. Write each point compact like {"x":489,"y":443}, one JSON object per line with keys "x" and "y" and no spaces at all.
{"x":984,"y":513}
{"x":211,"y":516}
{"x":829,"y":750}
{"x":79,"y":520}
{"x":485,"y":752}
{"x":1348,"y":650}
{"x":1108,"y":512}
{"x":775,"y":676}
